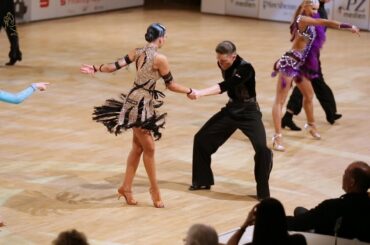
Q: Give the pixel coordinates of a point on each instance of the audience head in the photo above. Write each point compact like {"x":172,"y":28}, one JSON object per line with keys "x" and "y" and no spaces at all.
{"x":200,"y":234}
{"x":356,"y":178}
{"x":71,"y":237}
{"x":270,"y":223}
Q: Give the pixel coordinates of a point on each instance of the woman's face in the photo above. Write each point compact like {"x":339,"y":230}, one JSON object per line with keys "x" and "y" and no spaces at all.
{"x":162,"y":41}
{"x":311,"y":9}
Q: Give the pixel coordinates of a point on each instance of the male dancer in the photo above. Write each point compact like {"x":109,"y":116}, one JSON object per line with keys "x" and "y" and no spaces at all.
{"x":7,"y":20}
{"x":241,"y":112}
{"x":322,"y":91}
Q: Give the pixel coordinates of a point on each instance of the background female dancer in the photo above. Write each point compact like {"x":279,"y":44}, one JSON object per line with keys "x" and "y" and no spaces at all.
{"x":21,"y":96}
{"x":137,"y":108}
{"x":291,"y":66}
{"x":322,"y":91}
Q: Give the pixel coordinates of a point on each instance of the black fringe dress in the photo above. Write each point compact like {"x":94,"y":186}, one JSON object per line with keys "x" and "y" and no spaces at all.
{"x":138,"y":107}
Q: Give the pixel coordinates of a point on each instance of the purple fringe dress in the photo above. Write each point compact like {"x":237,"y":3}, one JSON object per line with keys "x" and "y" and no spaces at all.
{"x":302,"y":63}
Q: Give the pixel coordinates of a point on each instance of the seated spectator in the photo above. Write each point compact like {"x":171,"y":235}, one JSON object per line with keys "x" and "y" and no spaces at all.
{"x":268,"y":218}
{"x":71,"y":237}
{"x":347,"y":216}
{"x":200,"y":234}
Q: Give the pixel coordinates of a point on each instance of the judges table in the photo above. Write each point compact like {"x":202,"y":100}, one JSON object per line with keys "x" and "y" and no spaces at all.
{"x":311,"y":238}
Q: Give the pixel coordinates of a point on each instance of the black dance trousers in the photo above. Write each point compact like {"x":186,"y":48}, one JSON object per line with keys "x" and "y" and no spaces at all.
{"x":7,"y":21}
{"x":218,"y":129}
{"x":323,"y":93}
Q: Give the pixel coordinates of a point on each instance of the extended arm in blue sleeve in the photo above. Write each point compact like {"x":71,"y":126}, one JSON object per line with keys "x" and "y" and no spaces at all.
{"x":18,"y":97}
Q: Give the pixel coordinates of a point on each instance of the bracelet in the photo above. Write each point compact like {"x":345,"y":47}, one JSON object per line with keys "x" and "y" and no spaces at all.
{"x":95,"y":70}
{"x":345,"y":26}
{"x":116,"y":64}
{"x":191,"y":91}
{"x":101,"y":67}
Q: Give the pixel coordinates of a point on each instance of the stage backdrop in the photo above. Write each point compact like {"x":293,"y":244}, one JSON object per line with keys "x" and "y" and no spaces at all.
{"x":213,"y":6}
{"x":30,"y":10}
{"x":355,"y":12}
{"x":248,"y":8}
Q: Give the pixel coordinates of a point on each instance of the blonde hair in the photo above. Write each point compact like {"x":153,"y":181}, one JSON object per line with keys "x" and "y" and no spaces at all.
{"x":310,"y":2}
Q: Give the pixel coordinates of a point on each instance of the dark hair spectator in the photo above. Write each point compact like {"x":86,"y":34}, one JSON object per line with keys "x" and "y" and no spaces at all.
{"x":268,"y":218}
{"x":71,"y":237}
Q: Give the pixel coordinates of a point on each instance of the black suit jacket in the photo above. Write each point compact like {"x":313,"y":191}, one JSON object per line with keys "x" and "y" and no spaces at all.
{"x":354,"y":210}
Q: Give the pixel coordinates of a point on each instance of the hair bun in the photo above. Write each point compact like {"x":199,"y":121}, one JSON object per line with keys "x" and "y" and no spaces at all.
{"x":149,"y":37}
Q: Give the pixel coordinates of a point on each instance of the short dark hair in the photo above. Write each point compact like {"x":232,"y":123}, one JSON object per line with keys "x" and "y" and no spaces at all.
{"x":226,"y":47}
{"x":361,"y":175}
{"x":71,"y":237}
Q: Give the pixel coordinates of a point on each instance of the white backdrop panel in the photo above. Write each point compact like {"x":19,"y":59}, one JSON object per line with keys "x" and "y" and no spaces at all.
{"x":248,"y":8}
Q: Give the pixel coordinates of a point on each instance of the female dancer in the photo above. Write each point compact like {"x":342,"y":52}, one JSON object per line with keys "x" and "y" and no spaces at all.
{"x":21,"y":96}
{"x":291,"y":66}
{"x":18,"y":98}
{"x":137,"y":110}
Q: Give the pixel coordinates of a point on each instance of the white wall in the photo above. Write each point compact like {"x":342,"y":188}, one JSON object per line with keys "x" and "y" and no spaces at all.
{"x":213,"y":6}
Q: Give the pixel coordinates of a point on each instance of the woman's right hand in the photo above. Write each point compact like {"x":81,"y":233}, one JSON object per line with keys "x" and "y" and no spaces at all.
{"x":356,"y":30}
{"x":251,"y":217}
{"x":88,"y":69}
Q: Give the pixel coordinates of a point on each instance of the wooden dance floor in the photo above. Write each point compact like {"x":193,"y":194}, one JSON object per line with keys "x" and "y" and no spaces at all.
{"x":60,"y":170}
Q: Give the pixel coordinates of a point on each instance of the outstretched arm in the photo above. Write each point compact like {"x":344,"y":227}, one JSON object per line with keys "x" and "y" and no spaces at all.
{"x":215,"y":89}
{"x":21,"y":96}
{"x":234,"y":240}
{"x":329,"y":23}
{"x":109,"y":67}
{"x":161,"y":63}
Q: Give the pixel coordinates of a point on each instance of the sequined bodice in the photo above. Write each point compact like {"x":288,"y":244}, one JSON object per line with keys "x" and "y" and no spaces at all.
{"x":309,"y":34}
{"x":144,"y":65}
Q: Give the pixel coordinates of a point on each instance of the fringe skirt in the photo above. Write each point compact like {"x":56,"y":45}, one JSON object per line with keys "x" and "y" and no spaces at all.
{"x":117,"y":115}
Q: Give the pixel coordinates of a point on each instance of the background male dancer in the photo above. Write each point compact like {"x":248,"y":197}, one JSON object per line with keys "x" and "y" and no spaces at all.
{"x":7,"y":20}
{"x":322,"y":91}
{"x":241,"y":112}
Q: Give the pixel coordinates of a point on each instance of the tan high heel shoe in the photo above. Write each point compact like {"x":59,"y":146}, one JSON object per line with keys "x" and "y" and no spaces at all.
{"x":276,"y":142}
{"x":157,"y":202}
{"x":127,"y":195}
{"x":311,"y":128}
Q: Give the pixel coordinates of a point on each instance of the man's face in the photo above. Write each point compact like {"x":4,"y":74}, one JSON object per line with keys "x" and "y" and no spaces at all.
{"x":225,"y":60}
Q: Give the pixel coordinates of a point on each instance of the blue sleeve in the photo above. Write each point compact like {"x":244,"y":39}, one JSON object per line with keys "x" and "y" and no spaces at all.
{"x":18,"y":97}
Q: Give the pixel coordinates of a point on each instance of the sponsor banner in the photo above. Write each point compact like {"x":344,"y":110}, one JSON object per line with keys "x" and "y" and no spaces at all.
{"x":248,"y":8}
{"x":45,"y":9}
{"x":355,"y":12}
{"x":280,"y":10}
{"x":213,"y":6}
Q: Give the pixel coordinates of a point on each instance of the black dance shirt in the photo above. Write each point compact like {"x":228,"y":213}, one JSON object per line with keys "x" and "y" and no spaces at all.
{"x":239,"y":80}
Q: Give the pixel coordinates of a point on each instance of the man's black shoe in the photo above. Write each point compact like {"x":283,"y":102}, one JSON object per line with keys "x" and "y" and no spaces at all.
{"x":199,"y":187}
{"x":337,"y":116}
{"x":288,"y":122}
{"x":332,"y":119}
